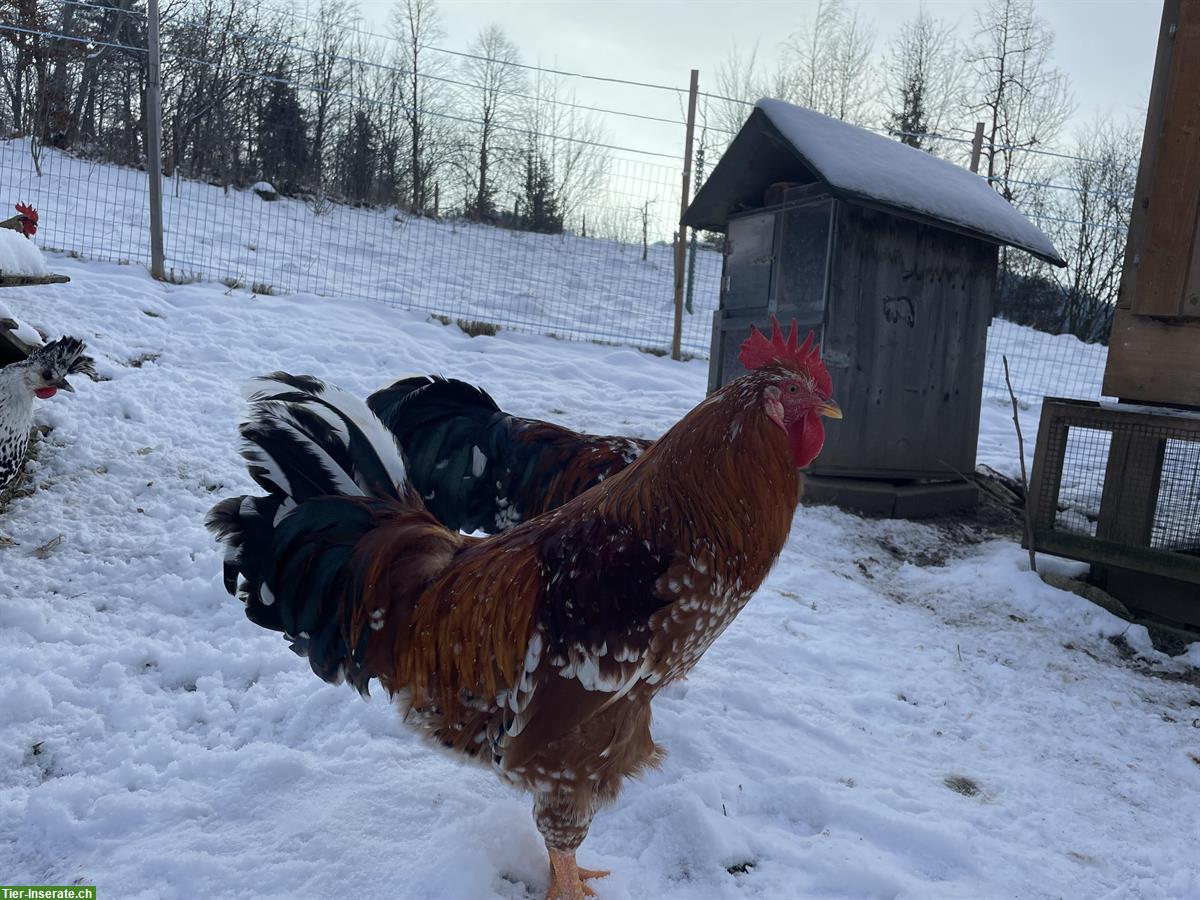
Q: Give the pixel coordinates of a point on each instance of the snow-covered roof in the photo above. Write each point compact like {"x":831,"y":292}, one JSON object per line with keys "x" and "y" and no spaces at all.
{"x":858,"y":165}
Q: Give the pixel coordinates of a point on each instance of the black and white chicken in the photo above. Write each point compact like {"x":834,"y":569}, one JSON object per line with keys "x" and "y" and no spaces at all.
{"x":479,"y":468}
{"x":42,"y":375}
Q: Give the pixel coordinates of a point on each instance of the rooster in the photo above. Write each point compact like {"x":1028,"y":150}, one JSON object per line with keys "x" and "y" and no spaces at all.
{"x":535,"y":652}
{"x":42,"y":375}
{"x":25,"y":221}
{"x":479,"y":468}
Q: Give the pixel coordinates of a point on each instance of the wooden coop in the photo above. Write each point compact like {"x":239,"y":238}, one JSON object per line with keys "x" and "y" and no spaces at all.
{"x":888,"y":254}
{"x":1139,"y":526}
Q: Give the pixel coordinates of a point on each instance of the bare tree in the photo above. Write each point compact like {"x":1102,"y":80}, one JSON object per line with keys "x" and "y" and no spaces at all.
{"x":417,"y":26}
{"x":738,"y":86}
{"x":494,"y":78}
{"x":25,"y":79}
{"x":924,"y":71}
{"x":1023,"y":98}
{"x":1095,"y":222}
{"x":644,"y":215}
{"x":327,"y":73}
{"x":568,"y":141}
{"x":826,"y":65}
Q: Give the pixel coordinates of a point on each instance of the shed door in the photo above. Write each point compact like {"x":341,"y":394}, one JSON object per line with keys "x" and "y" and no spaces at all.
{"x":745,"y":292}
{"x":775,"y":263}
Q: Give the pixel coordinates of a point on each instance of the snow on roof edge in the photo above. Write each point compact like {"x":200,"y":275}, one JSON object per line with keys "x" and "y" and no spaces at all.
{"x":858,"y":163}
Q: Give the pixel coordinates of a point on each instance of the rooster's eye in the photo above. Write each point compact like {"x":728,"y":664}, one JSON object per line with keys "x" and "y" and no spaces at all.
{"x":792,"y":389}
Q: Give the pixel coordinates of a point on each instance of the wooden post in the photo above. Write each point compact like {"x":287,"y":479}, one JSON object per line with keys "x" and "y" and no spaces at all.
{"x":680,"y":235}
{"x":976,"y":146}
{"x":154,"y":140}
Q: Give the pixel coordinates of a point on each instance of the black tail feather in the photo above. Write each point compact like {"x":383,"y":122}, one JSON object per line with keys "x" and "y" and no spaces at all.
{"x":456,"y":441}
{"x":329,"y":468}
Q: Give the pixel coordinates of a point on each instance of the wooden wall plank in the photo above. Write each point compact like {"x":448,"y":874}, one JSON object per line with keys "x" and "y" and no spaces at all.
{"x":1174,"y":210}
{"x":1131,"y":486}
{"x":1151,"y":361}
{"x":905,"y":337}
{"x":1145,"y":178}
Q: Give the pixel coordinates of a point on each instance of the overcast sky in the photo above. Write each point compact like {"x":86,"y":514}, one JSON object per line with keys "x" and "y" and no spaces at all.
{"x":1107,"y":48}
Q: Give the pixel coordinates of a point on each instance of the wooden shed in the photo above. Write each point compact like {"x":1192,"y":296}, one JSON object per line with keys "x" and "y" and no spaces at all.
{"x":889,"y":254}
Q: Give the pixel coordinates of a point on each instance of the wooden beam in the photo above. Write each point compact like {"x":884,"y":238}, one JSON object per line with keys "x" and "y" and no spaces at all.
{"x":1131,"y":485}
{"x":1046,"y":478}
{"x":1174,"y":200}
{"x":1145,"y":178}
{"x":1180,"y":566}
{"x":1153,"y":361}
{"x":681,"y":234}
{"x":28,"y":280}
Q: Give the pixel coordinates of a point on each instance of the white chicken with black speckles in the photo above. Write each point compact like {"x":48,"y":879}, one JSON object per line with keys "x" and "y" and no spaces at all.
{"x":42,"y":375}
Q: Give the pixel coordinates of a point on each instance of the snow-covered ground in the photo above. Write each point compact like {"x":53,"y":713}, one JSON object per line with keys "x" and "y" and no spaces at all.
{"x":582,"y":288}
{"x":902,"y":711}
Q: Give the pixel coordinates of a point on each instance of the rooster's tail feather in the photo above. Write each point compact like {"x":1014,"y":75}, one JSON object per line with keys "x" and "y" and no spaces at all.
{"x":304,"y":438}
{"x":332,"y":473}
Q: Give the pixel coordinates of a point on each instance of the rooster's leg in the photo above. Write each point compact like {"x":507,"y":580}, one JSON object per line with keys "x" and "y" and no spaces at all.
{"x":567,"y":879}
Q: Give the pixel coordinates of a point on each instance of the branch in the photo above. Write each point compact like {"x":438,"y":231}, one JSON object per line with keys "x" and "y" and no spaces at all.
{"x":1024,"y":480}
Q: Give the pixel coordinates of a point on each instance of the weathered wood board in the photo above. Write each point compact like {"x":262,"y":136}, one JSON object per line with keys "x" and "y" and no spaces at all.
{"x":905,"y":341}
{"x":1168,"y":258}
{"x":1153,"y":361}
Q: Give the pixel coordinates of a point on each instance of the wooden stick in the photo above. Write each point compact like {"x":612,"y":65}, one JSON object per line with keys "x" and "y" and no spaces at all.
{"x":976,"y":146}
{"x":681,"y":235}
{"x":1024,"y":481}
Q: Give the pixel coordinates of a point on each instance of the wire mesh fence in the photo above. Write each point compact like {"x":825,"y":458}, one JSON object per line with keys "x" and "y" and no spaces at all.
{"x":292,"y":165}
{"x":1119,"y":474}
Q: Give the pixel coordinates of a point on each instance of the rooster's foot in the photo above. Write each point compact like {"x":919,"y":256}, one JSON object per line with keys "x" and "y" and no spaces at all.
{"x":567,"y":879}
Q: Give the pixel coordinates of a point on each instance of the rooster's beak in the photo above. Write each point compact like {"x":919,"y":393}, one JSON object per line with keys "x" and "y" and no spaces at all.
{"x":830,"y":409}
{"x":63,"y":385}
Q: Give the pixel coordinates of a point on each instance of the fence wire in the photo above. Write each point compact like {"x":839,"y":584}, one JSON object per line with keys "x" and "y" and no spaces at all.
{"x":573,"y":237}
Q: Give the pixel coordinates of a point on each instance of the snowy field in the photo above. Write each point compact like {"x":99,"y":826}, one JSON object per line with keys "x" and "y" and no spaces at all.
{"x":903,"y":710}
{"x":529,"y":282}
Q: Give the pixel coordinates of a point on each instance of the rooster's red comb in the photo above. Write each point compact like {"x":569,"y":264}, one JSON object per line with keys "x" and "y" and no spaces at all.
{"x":805,"y":359}
{"x":26,"y":210}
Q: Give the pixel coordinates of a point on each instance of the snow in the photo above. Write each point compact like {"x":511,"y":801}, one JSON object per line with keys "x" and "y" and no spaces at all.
{"x":903,"y":710}
{"x":21,"y":330}
{"x":569,"y":286}
{"x":19,"y":255}
{"x":859,"y":162}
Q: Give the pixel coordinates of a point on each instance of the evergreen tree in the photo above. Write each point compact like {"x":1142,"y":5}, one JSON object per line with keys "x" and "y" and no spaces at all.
{"x":360,"y":155}
{"x":910,"y":120}
{"x":283,"y":144}
{"x":538,"y":205}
